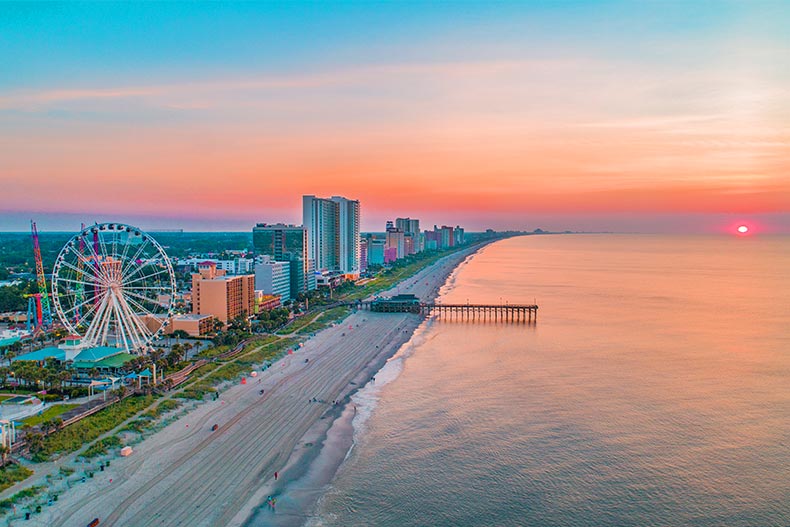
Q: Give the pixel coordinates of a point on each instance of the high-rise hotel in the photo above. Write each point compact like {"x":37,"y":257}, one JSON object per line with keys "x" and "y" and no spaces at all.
{"x":333,"y":233}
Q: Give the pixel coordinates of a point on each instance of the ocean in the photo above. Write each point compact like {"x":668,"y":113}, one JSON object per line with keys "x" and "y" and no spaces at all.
{"x":654,"y":390}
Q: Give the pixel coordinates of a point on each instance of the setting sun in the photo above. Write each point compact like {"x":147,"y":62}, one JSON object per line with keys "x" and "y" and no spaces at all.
{"x":743,"y":229}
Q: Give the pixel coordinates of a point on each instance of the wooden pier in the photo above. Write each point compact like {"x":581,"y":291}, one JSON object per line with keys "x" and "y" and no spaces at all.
{"x":468,"y":312}
{"x":494,"y":312}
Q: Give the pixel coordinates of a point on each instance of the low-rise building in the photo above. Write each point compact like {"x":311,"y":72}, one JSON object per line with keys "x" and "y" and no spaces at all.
{"x":195,"y":324}
{"x":329,"y":279}
{"x":405,"y":303}
{"x":266,"y":302}
{"x":273,"y":278}
{"x":225,"y":297}
{"x":104,"y":359}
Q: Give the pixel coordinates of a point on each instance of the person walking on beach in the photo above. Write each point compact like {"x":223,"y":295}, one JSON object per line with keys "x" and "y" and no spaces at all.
{"x":275,"y":476}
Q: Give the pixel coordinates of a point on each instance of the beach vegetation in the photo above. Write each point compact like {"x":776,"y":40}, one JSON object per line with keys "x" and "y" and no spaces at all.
{"x":12,"y":474}
{"x":102,"y":446}
{"x":20,"y":496}
{"x":328,"y":317}
{"x":138,"y":425}
{"x":73,"y":437}
{"x":162,"y":408}
{"x":299,"y":323}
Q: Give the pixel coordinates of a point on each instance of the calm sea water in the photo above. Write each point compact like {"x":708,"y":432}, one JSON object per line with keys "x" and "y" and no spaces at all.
{"x":654,"y":390}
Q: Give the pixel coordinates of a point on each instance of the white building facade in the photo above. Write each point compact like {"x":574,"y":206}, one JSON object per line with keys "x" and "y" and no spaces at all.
{"x":273,"y":278}
{"x":333,"y":233}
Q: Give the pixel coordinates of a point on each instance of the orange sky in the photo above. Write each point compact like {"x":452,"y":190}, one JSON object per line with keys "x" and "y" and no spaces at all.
{"x":504,"y":133}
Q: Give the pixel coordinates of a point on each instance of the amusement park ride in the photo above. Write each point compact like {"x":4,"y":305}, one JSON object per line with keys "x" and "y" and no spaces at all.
{"x":112,"y":284}
{"x":39,"y":314}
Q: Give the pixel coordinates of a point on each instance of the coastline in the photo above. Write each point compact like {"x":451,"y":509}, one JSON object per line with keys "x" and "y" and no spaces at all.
{"x":188,"y":473}
{"x":307,"y":475}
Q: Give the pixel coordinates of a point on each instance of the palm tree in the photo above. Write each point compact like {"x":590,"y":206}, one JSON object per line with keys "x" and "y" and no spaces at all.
{"x":186,"y":347}
{"x":35,"y":442}
{"x":64,"y":376}
{"x":4,"y":451}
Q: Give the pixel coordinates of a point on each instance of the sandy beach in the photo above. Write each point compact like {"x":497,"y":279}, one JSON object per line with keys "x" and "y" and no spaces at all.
{"x":188,"y":474}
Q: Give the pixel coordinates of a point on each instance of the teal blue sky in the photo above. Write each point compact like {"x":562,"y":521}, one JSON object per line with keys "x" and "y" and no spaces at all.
{"x":73,"y":43}
{"x":654,"y":108}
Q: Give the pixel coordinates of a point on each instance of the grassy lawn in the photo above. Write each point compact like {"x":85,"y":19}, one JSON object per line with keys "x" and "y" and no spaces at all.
{"x":4,"y":397}
{"x":49,"y":413}
{"x":299,"y":323}
{"x":328,"y":317}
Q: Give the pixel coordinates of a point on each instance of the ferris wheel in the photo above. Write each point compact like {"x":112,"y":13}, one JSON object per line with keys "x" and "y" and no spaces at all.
{"x":113,"y":285}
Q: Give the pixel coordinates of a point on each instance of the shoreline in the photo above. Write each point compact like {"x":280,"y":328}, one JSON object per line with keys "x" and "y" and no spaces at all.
{"x":186,"y":472}
{"x":308,"y":474}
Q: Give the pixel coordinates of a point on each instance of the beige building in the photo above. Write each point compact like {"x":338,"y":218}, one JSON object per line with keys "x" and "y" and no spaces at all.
{"x":195,"y":325}
{"x":225,"y":297}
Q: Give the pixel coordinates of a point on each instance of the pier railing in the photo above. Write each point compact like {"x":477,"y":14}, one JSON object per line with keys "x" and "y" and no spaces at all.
{"x":471,"y":312}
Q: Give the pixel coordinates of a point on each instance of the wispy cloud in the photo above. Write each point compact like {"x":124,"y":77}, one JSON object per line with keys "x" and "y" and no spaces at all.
{"x":33,"y":100}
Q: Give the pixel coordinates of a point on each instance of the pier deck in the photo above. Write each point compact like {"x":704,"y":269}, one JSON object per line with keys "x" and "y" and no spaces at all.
{"x":482,"y":312}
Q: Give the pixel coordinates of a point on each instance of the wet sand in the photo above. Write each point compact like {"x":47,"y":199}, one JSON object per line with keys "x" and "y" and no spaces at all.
{"x":187,"y":474}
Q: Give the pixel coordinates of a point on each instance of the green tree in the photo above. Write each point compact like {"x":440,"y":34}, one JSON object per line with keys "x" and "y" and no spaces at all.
{"x":35,"y":442}
{"x":180,"y":334}
{"x":4,"y":451}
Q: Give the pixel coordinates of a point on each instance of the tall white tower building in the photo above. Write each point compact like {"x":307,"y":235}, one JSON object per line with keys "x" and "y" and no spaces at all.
{"x":332,"y":232}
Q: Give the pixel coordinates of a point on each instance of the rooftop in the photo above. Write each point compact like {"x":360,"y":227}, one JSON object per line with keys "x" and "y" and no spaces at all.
{"x":226,"y":278}
{"x":277,"y":226}
{"x":96,"y":354}
{"x":42,"y":354}
{"x":184,"y":316}
{"x":113,"y":361}
{"x":192,"y":316}
{"x":8,"y":342}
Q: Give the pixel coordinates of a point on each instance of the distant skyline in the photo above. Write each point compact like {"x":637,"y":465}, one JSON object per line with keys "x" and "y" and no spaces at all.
{"x":583,"y":115}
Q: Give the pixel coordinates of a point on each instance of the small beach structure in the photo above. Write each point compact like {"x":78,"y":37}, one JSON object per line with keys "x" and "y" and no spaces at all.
{"x":105,"y":359}
{"x":396,"y":304}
